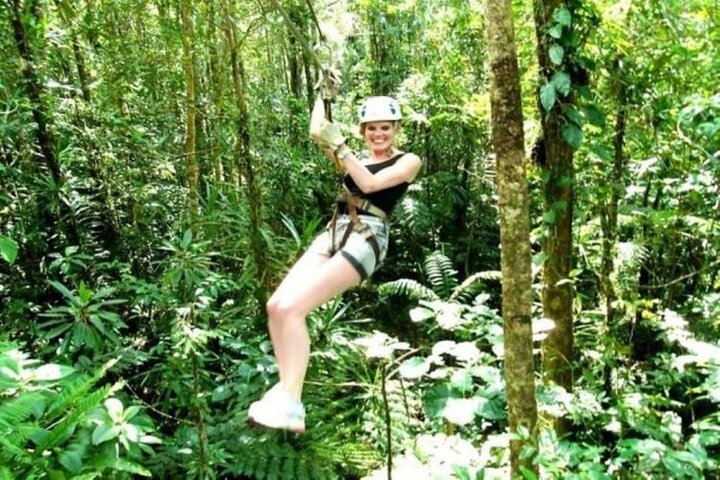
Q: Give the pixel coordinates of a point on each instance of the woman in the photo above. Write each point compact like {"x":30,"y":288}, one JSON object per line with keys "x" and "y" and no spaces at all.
{"x":350,"y":250}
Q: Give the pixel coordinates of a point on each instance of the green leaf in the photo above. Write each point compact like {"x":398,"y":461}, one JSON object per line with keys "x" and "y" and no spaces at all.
{"x":572,"y":134}
{"x":123,"y":465}
{"x":419,"y":314}
{"x":571,"y":113}
{"x":72,"y":461}
{"x":114,"y":408}
{"x":150,"y":440}
{"x":103,"y":433}
{"x":550,"y":216}
{"x":187,"y":239}
{"x":564,"y":181}
{"x":556,"y":31}
{"x":547,"y":96}
{"x":413,"y":368}
{"x":51,"y":371}
{"x":57,"y":331}
{"x":130,"y":412}
{"x":556,"y":53}
{"x":131,"y":432}
{"x":493,"y":409}
{"x":563,"y":17}
{"x":594,"y":115}
{"x":64,"y":290}
{"x":462,"y":380}
{"x":461,"y":411}
{"x":527,"y":473}
{"x":8,"y":249}
{"x":435,"y":399}
{"x":222,"y":392}
{"x":562,"y":82}
{"x":560,"y":205}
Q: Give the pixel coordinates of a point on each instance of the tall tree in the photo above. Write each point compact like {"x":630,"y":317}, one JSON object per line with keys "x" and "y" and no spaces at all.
{"x":553,"y":22}
{"x":244,"y":154}
{"x":609,"y":212}
{"x":508,"y":143}
{"x":188,"y":44}
{"x":35,"y":92}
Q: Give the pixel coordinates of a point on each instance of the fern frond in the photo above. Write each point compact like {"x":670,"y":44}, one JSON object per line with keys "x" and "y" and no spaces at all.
{"x":65,"y":428}
{"x":468,"y":289}
{"x":408,"y":288}
{"x":19,"y":409}
{"x":72,"y":391}
{"x":441,"y":274}
{"x":11,"y":453}
{"x":6,"y":474}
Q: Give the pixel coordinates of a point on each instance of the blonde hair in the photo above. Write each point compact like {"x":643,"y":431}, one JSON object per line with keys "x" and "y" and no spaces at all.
{"x":395,"y":124}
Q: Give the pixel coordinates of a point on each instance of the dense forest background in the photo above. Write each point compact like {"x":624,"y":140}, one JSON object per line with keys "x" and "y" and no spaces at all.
{"x":157,"y":181}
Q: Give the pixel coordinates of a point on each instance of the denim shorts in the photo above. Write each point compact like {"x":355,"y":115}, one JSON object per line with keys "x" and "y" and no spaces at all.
{"x":357,"y":250}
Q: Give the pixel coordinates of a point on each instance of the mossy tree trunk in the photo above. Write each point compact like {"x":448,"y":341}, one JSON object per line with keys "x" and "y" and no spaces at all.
{"x":508,"y":143}
{"x":559,"y":177}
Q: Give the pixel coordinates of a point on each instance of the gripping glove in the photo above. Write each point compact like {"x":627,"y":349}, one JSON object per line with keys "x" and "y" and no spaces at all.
{"x":324,"y":133}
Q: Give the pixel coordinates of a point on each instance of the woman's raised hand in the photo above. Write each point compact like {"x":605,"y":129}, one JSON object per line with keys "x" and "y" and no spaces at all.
{"x":324,"y":133}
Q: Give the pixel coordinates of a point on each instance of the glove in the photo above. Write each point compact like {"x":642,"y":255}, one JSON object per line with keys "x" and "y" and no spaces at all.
{"x":324,"y":133}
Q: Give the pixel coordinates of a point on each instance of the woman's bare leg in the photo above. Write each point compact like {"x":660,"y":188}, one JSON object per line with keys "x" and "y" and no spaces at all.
{"x":308,"y":262}
{"x":311,"y":284}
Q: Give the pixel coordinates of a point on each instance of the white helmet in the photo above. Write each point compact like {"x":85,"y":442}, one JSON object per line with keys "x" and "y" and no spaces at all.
{"x":378,"y":109}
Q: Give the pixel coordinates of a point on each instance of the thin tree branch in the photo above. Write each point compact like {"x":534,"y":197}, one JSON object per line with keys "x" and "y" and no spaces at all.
{"x":685,"y":277}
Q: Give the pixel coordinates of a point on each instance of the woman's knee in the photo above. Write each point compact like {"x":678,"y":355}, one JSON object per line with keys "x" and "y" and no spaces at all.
{"x":281,"y":310}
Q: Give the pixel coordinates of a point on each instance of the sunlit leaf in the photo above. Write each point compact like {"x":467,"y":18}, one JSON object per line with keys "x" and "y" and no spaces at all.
{"x":115,"y":409}
{"x":561,"y":81}
{"x":556,"y":53}
{"x":51,"y":371}
{"x":563,"y":16}
{"x":461,"y":411}
{"x":414,"y":368}
{"x":547,"y":96}
{"x":8,"y":249}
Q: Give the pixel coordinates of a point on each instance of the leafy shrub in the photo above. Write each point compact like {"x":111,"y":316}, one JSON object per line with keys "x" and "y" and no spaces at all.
{"x":56,"y":421}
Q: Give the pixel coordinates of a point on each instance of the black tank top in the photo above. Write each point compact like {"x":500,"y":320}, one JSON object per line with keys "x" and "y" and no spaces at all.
{"x":383,"y":199}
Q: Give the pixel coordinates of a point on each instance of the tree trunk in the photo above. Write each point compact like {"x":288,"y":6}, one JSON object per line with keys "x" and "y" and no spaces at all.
{"x":216,"y":84}
{"x":190,"y":114}
{"x":557,"y":293}
{"x":608,"y":220}
{"x":108,"y":232}
{"x":34,"y":91}
{"x":244,"y":157}
{"x":508,"y":143}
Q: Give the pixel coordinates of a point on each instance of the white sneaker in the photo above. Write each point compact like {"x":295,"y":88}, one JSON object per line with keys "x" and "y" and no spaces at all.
{"x":278,"y":409}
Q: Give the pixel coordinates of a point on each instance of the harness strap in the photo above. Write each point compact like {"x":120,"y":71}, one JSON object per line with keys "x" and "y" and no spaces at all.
{"x":356,"y":225}
{"x":363,"y":204}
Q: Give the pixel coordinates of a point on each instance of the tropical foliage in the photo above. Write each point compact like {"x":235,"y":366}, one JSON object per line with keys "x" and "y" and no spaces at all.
{"x":157,"y":181}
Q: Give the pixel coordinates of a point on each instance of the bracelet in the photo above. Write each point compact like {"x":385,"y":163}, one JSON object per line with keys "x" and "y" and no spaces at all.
{"x":342,"y":152}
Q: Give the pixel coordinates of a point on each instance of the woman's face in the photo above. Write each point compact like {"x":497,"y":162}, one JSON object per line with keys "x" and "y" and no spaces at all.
{"x":379,"y":136}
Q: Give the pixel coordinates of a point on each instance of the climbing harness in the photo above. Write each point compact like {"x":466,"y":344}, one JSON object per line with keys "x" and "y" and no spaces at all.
{"x":354,"y":204}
